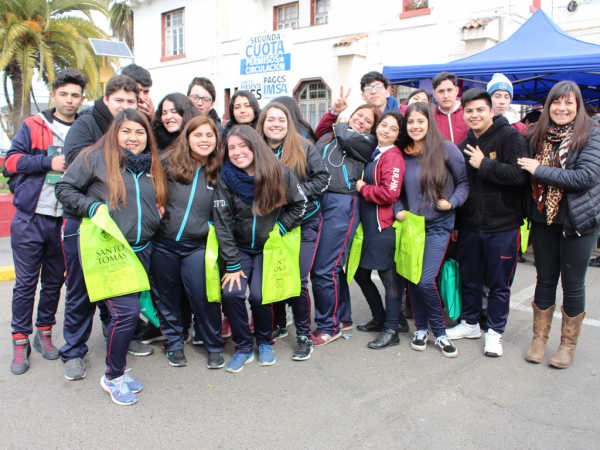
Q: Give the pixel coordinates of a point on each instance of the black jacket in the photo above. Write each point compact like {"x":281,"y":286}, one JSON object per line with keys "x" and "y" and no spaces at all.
{"x":580,"y":181}
{"x":236,"y":225}
{"x":87,"y":129}
{"x":84,"y":187}
{"x":188,"y":210}
{"x":316,"y":181}
{"x":496,"y":195}
{"x":345,"y":157}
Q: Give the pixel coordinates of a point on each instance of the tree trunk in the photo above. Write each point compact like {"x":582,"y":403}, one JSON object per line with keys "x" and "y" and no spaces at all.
{"x":19,"y":111}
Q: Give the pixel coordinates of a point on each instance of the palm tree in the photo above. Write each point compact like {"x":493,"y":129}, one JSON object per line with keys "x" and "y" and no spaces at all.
{"x":121,"y":23}
{"x":45,"y":35}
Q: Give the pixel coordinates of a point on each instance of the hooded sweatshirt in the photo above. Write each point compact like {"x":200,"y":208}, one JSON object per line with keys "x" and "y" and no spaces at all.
{"x":452,"y":126}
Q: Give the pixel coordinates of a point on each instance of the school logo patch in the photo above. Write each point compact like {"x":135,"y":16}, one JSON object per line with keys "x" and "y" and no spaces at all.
{"x":104,"y":236}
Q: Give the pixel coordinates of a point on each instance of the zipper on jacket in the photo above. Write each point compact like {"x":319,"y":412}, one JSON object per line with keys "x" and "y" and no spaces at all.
{"x":451,"y":131}
{"x":346,"y":176}
{"x":139,"y":204}
{"x":189,"y":206}
{"x":253,"y":225}
{"x":375,"y":183}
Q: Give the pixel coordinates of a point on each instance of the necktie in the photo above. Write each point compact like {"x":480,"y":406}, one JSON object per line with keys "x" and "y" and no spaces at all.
{"x":375,"y":153}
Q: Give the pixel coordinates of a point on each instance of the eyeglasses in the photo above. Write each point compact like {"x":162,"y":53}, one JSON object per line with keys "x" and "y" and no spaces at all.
{"x":205,"y":100}
{"x":373,"y":87}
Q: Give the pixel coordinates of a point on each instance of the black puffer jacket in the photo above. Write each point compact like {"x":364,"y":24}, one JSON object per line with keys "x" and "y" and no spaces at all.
{"x":346,"y":156}
{"x":188,"y":210}
{"x":580,"y":181}
{"x":84,"y":187}
{"x":236,"y":224}
{"x":496,"y":194}
{"x":316,"y":181}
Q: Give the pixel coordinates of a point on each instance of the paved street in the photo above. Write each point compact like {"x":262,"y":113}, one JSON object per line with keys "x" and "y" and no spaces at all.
{"x":345,"y":396}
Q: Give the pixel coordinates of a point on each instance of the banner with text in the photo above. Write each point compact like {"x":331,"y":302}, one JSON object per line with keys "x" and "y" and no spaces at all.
{"x":265,"y":66}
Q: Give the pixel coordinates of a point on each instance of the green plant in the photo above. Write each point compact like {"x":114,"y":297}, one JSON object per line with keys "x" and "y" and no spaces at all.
{"x":414,"y":4}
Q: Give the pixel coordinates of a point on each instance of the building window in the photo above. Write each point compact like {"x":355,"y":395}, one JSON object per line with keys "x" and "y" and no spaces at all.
{"x":412,"y":8}
{"x":314,"y":100}
{"x":321,"y":12}
{"x":173,"y":31}
{"x":286,"y":16}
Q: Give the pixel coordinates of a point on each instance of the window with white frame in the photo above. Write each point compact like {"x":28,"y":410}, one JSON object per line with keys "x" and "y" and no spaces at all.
{"x":321,"y":11}
{"x":174,"y":30}
{"x":314,"y":101}
{"x":287,"y":16}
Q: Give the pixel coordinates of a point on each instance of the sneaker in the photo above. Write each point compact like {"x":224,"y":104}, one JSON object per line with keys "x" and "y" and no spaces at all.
{"x":266,"y":355}
{"x":119,"y":390}
{"x":493,"y":344}
{"x":464,"y":330}
{"x":319,"y":338}
{"x":304,"y":347}
{"x":198,"y":341}
{"x":75,"y":369}
{"x":419,"y":341}
{"x":225,"y":328}
{"x":21,"y":352}
{"x":136,"y":348}
{"x":279,"y":332}
{"x":42,"y":342}
{"x":151,"y":334}
{"x":448,"y":348}
{"x":176,"y":358}
{"x":134,"y":385}
{"x":236,"y":364}
{"x":215,"y":360}
{"x":346,"y":326}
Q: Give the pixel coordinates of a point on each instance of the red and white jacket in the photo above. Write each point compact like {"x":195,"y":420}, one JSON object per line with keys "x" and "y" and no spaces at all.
{"x":387,"y":178}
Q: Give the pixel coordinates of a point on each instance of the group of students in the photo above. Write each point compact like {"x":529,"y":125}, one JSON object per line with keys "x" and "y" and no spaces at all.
{"x":166,"y":176}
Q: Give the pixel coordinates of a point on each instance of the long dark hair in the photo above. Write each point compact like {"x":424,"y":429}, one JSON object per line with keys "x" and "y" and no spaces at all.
{"x":434,"y":174}
{"x":116,"y":161}
{"x":253,"y":104}
{"x":292,"y":152}
{"x":399,"y":118}
{"x":582,"y":124}
{"x":376,"y":118}
{"x":269,"y":180}
{"x":182,"y":165}
{"x":184,"y":107}
{"x":296,"y":115}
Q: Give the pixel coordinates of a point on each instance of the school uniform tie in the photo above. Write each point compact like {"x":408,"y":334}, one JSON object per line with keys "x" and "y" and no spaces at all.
{"x":375,"y":153}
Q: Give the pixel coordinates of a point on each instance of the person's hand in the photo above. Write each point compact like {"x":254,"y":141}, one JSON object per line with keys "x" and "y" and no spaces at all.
{"x":476,"y":155}
{"x":359,"y":184}
{"x":444,"y":205}
{"x":161,"y":210}
{"x":233,"y":278}
{"x":341,"y":103}
{"x":401,"y":216}
{"x":58,"y":163}
{"x":528,"y":164}
{"x":454,"y":236}
{"x":147,"y":108}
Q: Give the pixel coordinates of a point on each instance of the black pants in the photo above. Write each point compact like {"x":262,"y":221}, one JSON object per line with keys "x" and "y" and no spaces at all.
{"x":561,"y":256}
{"x":394,"y":286}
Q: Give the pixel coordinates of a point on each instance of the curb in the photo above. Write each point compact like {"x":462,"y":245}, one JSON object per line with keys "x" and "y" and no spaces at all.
{"x":7,"y":273}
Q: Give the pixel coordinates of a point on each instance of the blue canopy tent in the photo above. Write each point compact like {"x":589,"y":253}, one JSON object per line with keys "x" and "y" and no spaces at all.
{"x":534,"y":58}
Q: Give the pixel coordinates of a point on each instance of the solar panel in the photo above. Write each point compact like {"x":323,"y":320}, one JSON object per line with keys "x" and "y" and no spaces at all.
{"x":111,"y":48}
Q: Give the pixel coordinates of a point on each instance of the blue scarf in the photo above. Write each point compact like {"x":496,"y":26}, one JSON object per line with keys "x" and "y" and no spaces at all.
{"x":239,"y":181}
{"x":138,"y":163}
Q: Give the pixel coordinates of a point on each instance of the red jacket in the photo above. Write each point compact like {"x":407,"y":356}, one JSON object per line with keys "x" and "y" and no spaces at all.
{"x":387,"y":176}
{"x":326,"y":124}
{"x":452,"y":125}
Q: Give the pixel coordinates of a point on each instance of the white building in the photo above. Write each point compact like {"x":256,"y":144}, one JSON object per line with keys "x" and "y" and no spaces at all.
{"x":334,"y":41}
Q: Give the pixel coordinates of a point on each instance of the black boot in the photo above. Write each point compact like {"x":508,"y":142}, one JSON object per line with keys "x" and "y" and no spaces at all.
{"x":403,"y":324}
{"x":371,"y":325}
{"x":386,"y":338}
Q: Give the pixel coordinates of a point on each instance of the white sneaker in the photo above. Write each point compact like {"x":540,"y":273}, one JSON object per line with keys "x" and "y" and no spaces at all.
{"x":447,"y":347}
{"x":464,"y":330}
{"x":493,"y":343}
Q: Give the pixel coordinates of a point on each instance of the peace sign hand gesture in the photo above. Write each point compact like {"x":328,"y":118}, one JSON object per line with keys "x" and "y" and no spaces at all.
{"x":341,"y":103}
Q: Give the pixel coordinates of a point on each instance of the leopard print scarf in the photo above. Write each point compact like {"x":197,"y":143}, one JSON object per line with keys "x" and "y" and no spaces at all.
{"x":549,"y":197}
